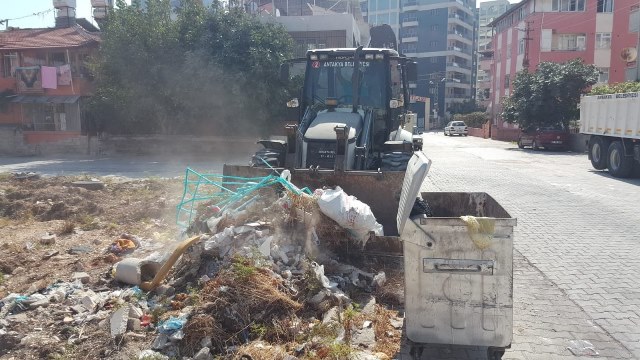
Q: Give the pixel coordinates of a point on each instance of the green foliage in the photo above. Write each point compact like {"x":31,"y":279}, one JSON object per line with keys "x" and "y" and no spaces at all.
{"x":208,"y":71}
{"x":242,"y":268}
{"x":624,"y":87}
{"x":465,"y":107}
{"x":474,"y":119}
{"x":549,"y":96}
{"x":1,"y":278}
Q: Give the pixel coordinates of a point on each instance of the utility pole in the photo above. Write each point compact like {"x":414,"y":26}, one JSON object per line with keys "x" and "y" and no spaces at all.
{"x":527,"y":38}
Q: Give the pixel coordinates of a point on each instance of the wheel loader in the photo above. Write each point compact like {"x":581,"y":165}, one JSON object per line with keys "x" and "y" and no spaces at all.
{"x":350,"y":128}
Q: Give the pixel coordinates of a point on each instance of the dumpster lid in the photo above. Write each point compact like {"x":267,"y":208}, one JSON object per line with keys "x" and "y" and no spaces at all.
{"x":416,"y":172}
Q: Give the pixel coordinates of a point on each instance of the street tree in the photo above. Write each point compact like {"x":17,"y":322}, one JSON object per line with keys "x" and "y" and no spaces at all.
{"x":196,"y":71}
{"x":549,"y":96}
{"x":465,"y":107}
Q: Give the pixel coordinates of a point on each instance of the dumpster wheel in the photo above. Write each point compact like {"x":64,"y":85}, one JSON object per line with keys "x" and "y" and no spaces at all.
{"x":494,"y":353}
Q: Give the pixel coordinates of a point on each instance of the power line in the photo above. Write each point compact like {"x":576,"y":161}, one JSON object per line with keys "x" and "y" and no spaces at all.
{"x":39,"y":13}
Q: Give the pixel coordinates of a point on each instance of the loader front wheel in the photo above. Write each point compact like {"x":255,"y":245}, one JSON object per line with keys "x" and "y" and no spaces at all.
{"x":268,"y":157}
{"x":421,"y":207}
{"x":395,"y":161}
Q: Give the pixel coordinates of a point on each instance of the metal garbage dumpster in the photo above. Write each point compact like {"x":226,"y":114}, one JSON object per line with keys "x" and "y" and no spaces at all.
{"x":458,"y":271}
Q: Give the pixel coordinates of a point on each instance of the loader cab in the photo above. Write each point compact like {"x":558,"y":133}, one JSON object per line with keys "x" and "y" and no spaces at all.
{"x":362,"y":90}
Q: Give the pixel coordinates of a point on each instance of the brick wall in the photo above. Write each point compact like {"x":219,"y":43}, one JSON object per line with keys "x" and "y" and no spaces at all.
{"x":504,"y":134}
{"x":174,"y":144}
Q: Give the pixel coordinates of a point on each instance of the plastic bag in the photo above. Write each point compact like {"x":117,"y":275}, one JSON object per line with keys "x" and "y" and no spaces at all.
{"x":350,"y":213}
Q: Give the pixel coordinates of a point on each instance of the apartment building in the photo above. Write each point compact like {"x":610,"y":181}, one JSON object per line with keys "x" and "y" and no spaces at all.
{"x":487,"y":12}
{"x":440,"y":35}
{"x":533,"y":31}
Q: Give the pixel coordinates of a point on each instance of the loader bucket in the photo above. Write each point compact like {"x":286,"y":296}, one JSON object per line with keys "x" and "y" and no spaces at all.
{"x":379,"y":190}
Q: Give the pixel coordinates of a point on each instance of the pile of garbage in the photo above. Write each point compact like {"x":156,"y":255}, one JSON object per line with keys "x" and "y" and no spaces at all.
{"x":260,"y":278}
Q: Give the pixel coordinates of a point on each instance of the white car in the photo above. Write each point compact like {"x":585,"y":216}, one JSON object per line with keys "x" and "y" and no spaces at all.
{"x":456,"y":128}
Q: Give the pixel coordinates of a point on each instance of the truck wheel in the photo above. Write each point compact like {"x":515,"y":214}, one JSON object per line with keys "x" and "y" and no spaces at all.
{"x":618,"y":164}
{"x":395,"y":161}
{"x":520,"y":144}
{"x":598,"y":148}
{"x":262,"y":157}
{"x":495,"y":353}
{"x":535,"y":146}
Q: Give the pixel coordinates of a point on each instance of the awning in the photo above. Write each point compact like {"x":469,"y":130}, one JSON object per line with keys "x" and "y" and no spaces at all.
{"x":26,"y":99}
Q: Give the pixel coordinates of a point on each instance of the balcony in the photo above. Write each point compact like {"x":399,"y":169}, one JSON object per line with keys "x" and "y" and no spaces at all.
{"x":410,"y":39}
{"x":409,"y":23}
{"x":460,"y":20}
{"x":459,"y":36}
{"x":461,"y":4}
{"x":458,"y":65}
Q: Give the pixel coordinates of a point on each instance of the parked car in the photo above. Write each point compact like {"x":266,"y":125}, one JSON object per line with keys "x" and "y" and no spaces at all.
{"x":456,"y":128}
{"x":555,"y":138}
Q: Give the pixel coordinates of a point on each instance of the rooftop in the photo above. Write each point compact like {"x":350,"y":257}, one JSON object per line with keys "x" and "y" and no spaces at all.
{"x":47,"y":38}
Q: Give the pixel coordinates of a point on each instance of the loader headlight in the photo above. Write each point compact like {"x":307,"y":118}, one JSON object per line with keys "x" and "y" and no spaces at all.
{"x":368,"y":56}
{"x":324,"y":56}
{"x":379,"y":56}
{"x":313,"y":57}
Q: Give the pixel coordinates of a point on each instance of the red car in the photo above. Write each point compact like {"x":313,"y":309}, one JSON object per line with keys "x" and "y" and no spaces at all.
{"x":555,"y":138}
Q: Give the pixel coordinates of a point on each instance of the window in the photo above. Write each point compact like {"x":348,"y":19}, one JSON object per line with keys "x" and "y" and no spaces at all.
{"x":433,"y":90}
{"x":605,"y":6}
{"x":383,"y":4}
{"x":567,"y":5}
{"x":10,"y":63}
{"x":434,"y":59}
{"x":433,"y":12}
{"x":603,"y":77}
{"x":603,"y":40}
{"x":570,"y":42}
{"x":521,"y":46}
{"x":508,"y":51}
{"x":433,"y":43}
{"x":410,"y":48}
{"x":507,"y":81}
{"x":411,"y":32}
{"x":57,"y":59}
{"x":435,"y":27}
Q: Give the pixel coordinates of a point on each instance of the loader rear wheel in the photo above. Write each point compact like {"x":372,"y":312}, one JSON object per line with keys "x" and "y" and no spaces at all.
{"x":273,"y":157}
{"x":395,"y":161}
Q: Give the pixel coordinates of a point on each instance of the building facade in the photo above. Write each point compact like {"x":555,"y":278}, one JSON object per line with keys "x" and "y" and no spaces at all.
{"x":487,"y":12}
{"x":440,"y":36}
{"x":533,"y":31}
{"x":44,"y":82}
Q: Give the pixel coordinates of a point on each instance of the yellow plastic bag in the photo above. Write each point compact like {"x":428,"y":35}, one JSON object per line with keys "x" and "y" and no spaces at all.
{"x":481,"y":230}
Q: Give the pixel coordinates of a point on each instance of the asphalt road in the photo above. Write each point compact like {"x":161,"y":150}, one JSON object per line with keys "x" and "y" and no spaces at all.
{"x":119,"y":165}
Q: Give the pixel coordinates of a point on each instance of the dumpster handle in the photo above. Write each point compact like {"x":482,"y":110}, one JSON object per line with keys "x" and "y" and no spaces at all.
{"x":431,"y":265}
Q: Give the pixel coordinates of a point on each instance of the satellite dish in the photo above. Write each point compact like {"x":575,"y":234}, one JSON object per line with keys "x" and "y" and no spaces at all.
{"x":629,"y":54}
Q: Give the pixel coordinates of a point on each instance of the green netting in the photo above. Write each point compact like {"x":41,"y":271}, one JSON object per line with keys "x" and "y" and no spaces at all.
{"x":224,"y":192}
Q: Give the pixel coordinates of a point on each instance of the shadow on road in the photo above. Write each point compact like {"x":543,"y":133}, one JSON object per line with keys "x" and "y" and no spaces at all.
{"x":547,"y":152}
{"x":634,"y":180}
{"x":439,"y":352}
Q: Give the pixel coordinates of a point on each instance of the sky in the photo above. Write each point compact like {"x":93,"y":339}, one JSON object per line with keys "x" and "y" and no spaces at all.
{"x":12,"y":9}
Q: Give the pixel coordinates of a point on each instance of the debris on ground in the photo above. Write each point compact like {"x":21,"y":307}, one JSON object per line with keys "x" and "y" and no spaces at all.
{"x":262,"y":280}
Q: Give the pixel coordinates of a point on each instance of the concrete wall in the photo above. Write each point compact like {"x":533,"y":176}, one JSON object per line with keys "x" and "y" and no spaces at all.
{"x":176,"y":145}
{"x":13,"y":141}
